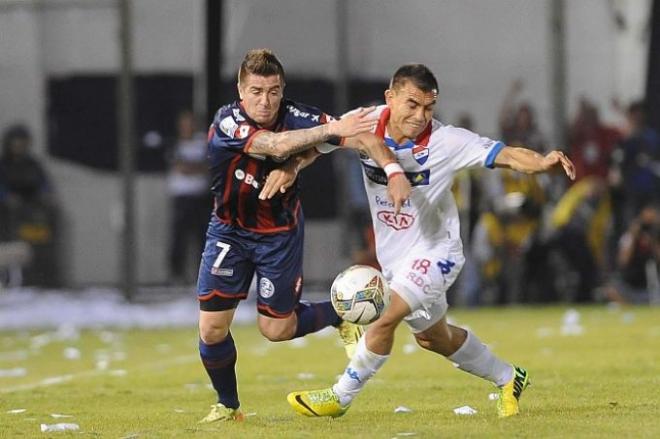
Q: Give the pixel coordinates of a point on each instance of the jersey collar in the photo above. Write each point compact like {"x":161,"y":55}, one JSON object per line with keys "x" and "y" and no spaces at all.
{"x":381,"y":131}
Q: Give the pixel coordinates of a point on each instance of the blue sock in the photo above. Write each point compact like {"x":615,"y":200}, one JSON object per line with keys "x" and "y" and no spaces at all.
{"x":219,"y":360}
{"x":315,"y":316}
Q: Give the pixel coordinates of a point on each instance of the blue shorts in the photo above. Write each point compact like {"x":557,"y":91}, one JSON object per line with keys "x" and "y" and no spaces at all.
{"x":232,"y":256}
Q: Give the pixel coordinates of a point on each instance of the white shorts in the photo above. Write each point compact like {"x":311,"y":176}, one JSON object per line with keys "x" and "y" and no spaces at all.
{"x":422,"y":277}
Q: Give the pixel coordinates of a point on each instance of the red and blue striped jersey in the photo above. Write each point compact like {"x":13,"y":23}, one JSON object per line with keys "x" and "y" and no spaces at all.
{"x":238,"y":177}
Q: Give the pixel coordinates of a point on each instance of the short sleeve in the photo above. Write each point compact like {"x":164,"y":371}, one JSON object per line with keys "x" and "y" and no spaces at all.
{"x":469,"y":150}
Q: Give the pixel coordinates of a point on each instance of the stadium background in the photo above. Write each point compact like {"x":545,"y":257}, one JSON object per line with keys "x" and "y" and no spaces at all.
{"x":60,"y":63}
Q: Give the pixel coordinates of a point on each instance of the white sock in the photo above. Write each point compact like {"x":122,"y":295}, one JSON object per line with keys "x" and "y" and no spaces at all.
{"x":475,"y":358}
{"x":362,"y":367}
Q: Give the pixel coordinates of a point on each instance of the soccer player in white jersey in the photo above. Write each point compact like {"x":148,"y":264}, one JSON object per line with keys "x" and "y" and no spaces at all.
{"x":420,"y":248}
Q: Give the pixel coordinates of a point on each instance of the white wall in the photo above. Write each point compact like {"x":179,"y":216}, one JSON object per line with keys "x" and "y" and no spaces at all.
{"x":475,"y":47}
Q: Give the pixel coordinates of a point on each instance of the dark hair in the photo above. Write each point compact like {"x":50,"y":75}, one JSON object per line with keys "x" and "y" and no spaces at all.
{"x":17,"y":131}
{"x":262,"y":62}
{"x":420,"y":75}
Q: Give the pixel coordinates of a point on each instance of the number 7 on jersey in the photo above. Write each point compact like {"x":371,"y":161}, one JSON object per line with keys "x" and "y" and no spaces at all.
{"x":218,"y":261}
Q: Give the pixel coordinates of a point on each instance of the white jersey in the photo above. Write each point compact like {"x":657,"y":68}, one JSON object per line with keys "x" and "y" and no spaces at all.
{"x":429,"y":219}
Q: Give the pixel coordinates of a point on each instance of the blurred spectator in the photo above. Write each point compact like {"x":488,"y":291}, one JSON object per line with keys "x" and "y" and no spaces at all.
{"x":499,"y":250}
{"x":518,"y":122}
{"x":591,"y":142}
{"x":581,"y":224}
{"x":188,"y":187}
{"x":638,"y":261}
{"x":28,"y":210}
{"x":637,"y":161}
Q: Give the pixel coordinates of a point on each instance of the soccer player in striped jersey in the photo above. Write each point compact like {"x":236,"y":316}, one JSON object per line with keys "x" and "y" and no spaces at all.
{"x":248,"y":233}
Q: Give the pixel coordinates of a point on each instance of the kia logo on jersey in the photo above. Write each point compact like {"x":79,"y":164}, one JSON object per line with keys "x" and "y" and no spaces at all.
{"x":397,"y":222}
{"x":420,"y":153}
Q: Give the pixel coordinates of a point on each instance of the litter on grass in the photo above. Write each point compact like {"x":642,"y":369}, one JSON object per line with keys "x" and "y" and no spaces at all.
{"x":465,"y":410}
{"x":71,"y":353}
{"x":13,"y":373}
{"x":409,"y":348}
{"x":571,"y":323}
{"x":45,"y":428}
{"x":15,"y":411}
{"x":402,"y":409}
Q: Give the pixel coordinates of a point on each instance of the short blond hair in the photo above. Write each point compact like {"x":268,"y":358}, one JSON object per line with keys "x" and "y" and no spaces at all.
{"x":262,"y":62}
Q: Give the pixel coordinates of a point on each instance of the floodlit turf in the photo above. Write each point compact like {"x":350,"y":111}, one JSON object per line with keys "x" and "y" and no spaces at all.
{"x":150,"y":384}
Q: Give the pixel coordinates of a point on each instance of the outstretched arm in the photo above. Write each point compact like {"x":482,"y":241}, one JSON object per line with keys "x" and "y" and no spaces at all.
{"x":531,"y":162}
{"x":286,"y":143}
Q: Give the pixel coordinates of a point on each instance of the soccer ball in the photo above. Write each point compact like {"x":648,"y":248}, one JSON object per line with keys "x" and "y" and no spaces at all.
{"x":360,"y":294}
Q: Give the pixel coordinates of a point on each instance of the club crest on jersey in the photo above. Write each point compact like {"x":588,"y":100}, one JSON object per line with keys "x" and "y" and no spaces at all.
{"x":266,"y":288}
{"x":420,"y":153}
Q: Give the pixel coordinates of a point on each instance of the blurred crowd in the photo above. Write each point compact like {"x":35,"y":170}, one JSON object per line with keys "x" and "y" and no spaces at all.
{"x":545,"y":238}
{"x":537,"y":239}
{"x":528,"y":239}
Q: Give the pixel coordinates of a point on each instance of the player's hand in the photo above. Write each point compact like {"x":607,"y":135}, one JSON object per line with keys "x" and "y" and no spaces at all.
{"x":398,"y":191}
{"x":279,"y":180}
{"x":362,"y":121}
{"x":558,"y":158}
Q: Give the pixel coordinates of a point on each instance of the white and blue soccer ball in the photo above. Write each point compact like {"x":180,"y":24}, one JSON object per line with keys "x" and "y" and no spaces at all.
{"x":360,"y":294}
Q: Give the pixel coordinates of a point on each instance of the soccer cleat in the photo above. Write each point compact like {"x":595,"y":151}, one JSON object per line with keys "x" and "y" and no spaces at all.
{"x":316,"y":403}
{"x":507,"y":403}
{"x":220,"y":413}
{"x":350,"y":334}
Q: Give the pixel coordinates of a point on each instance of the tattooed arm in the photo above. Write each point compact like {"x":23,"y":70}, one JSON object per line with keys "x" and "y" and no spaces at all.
{"x":287,"y":143}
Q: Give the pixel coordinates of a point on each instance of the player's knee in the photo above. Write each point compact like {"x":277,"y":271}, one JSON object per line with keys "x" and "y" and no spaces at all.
{"x":277,"y":330}
{"x":212,"y":334}
{"x":277,"y":333}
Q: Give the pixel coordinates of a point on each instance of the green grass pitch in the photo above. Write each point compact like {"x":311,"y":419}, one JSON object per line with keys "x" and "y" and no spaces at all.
{"x":150,"y":384}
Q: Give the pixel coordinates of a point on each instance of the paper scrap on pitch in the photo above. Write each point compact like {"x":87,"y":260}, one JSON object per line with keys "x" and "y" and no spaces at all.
{"x":13,"y":373}
{"x":71,"y":353}
{"x":59,"y":415}
{"x":15,"y":411}
{"x":465,"y":410}
{"x":571,"y":323}
{"x":493,"y":396}
{"x":409,"y":348}
{"x":59,"y":427}
{"x":402,"y":409}
{"x":306,"y":376}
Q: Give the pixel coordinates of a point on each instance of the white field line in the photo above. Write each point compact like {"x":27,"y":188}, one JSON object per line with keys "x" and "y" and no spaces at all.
{"x":60,"y":379}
